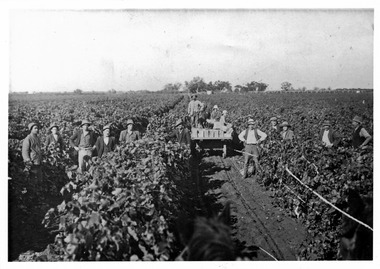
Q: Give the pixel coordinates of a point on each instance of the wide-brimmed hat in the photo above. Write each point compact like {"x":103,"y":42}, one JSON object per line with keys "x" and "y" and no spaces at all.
{"x":358,"y":119}
{"x":252,"y":121}
{"x":215,"y":106}
{"x":105,"y":127}
{"x":326,"y":123}
{"x":273,"y":119}
{"x":53,"y":125}
{"x":130,"y":121}
{"x":178,"y":122}
{"x":285,"y":123}
{"x":31,"y":125}
{"x":85,"y":122}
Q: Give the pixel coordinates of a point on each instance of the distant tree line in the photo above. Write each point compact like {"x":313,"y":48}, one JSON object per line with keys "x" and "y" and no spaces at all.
{"x":197,"y":84}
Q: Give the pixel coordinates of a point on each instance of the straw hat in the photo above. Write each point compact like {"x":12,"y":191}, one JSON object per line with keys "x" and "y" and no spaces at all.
{"x":358,"y":119}
{"x":326,"y":123}
{"x":53,"y":125}
{"x":105,"y":127}
{"x":85,"y":122}
{"x":215,"y":107}
{"x":224,"y":111}
{"x":130,"y":121}
{"x":31,"y":125}
{"x":252,"y":121}
{"x":285,"y":123}
{"x":178,"y":122}
{"x":273,"y":119}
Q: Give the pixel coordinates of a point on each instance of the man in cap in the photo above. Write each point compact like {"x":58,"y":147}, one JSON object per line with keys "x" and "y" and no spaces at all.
{"x":252,"y":137}
{"x":54,"y":137}
{"x":286,"y":133}
{"x":328,"y":136}
{"x":31,"y":152}
{"x":181,"y":134}
{"x":83,"y":142}
{"x":193,"y":109}
{"x":105,"y":143}
{"x":129,"y":135}
{"x":360,"y":137}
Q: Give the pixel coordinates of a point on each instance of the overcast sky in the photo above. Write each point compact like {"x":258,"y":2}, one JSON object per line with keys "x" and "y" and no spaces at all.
{"x":136,"y":50}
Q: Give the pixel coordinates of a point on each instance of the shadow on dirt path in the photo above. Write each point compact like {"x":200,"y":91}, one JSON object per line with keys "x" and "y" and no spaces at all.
{"x":256,"y":221}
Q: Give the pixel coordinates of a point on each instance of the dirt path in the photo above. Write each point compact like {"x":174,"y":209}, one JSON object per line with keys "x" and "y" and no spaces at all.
{"x":256,"y":221}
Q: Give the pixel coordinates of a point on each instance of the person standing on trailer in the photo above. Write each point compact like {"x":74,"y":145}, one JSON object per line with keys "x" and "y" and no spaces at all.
{"x":83,"y":142}
{"x":252,"y":137}
{"x":105,"y":143}
{"x":286,"y":133}
{"x":194,"y":109}
{"x":32,"y":153}
{"x":181,"y":134}
{"x":129,"y":135}
{"x":54,"y":137}
{"x":328,"y":136}
{"x":360,"y":137}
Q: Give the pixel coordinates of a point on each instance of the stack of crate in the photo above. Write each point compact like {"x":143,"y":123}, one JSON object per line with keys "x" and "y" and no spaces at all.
{"x":206,"y":133}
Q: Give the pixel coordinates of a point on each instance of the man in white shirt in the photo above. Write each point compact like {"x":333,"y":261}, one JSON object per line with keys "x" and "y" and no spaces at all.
{"x":195,"y":106}
{"x":252,"y":137}
{"x":329,"y":137}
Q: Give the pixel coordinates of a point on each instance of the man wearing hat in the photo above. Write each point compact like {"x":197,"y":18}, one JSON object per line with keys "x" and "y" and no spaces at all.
{"x":129,"y":135}
{"x":274,"y":125}
{"x":252,"y":137}
{"x":194,"y":108}
{"x":215,"y":113}
{"x":286,"y":133}
{"x":54,"y":137}
{"x":328,"y":136}
{"x":83,"y":142}
{"x":360,"y":137}
{"x":31,"y":152}
{"x":105,"y":143}
{"x":181,"y":134}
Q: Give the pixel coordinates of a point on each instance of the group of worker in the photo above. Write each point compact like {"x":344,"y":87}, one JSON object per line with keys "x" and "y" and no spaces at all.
{"x":252,"y":137}
{"x":84,"y":141}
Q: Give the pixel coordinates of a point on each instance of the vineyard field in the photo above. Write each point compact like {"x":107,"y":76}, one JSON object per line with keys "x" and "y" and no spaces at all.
{"x":127,"y":206}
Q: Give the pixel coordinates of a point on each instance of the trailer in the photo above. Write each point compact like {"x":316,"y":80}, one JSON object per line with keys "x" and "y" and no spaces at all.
{"x":211,"y":139}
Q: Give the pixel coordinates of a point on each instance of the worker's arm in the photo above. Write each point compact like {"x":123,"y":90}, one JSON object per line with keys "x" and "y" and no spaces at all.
{"x":25,"y":150}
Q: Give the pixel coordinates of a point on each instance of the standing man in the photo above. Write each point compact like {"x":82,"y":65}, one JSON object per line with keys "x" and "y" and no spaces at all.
{"x":31,"y":152}
{"x":129,"y":135}
{"x":193,"y":109}
{"x":181,"y":134}
{"x":54,"y":137}
{"x":328,"y":136}
{"x":252,"y":137}
{"x":83,"y":142}
{"x":105,"y":143}
{"x":360,"y":137}
{"x":286,"y":133}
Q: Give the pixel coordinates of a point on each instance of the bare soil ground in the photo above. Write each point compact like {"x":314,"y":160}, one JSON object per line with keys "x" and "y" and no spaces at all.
{"x":255,"y":219}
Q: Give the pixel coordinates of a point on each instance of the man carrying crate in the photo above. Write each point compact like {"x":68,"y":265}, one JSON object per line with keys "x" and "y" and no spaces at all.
{"x":252,"y":137}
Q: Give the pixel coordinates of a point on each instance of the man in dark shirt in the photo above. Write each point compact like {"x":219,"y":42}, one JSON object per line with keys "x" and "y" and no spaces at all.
{"x":360,"y":137}
{"x":129,"y":135}
{"x":181,"y":134}
{"x":105,"y":143}
{"x":83,"y":142}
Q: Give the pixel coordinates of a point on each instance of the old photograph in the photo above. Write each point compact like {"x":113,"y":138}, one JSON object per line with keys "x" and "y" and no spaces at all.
{"x":190,"y":135}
